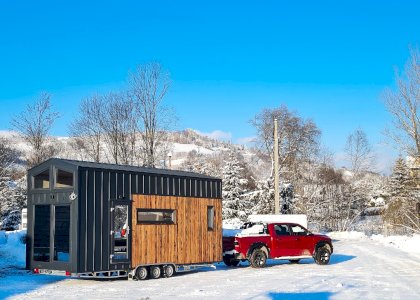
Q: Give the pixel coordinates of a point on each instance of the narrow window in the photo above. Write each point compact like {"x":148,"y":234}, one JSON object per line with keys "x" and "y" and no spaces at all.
{"x":210,"y":217}
{"x":62,"y":233}
{"x":63,"y":179}
{"x":156,"y":216}
{"x":42,"y":180}
{"x":42,"y":233}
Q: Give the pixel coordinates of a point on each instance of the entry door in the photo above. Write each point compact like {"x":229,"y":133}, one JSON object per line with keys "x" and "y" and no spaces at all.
{"x":120,"y":231}
{"x":52,"y":231}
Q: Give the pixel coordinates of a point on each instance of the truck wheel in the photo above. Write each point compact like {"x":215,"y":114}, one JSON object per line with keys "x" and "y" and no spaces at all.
{"x":322,"y":256}
{"x":169,"y":270}
{"x":141,"y":273}
{"x":258,"y":258}
{"x":155,"y":272}
{"x":294,"y":261}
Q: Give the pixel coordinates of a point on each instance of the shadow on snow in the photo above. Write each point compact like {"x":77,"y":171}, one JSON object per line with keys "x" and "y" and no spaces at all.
{"x":16,"y":281}
{"x":300,"y":296}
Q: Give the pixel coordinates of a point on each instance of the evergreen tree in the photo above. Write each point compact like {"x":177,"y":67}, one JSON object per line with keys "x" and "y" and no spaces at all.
{"x":401,"y":206}
{"x":235,"y":205}
{"x":12,"y":199}
{"x":262,"y":199}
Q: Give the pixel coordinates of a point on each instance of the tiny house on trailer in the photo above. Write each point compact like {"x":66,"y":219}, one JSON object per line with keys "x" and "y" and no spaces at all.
{"x":94,"y":219}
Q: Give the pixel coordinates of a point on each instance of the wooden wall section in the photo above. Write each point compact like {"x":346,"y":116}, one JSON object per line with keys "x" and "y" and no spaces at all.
{"x":186,"y":242}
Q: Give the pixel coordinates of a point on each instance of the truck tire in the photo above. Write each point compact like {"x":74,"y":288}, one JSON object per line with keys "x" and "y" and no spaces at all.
{"x":169,"y":270}
{"x":235,"y":262}
{"x":322,"y":256}
{"x":258,"y":258}
{"x":141,"y":273}
{"x":230,"y":261}
{"x":155,"y":272}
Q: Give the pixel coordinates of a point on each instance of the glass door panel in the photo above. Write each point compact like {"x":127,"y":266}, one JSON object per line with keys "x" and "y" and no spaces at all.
{"x":62,"y":233}
{"x":121,"y":232}
{"x":42,"y":233}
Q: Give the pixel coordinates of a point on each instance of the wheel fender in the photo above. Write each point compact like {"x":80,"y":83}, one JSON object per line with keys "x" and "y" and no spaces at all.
{"x":320,"y":245}
{"x":257,"y":246}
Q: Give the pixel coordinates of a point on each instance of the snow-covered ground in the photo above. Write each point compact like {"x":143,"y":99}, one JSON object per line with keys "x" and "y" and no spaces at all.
{"x":361,"y":268}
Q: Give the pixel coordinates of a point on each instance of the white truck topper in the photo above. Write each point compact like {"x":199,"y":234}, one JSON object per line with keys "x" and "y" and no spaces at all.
{"x":298,"y":219}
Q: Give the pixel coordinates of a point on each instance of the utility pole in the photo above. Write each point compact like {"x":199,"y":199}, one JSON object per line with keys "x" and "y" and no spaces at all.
{"x":276,"y":169}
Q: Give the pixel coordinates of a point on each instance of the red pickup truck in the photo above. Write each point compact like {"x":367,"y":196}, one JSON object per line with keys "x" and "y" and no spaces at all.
{"x":276,"y":240}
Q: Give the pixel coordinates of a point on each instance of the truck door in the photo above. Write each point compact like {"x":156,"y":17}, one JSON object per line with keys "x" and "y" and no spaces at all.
{"x":120,"y":231}
{"x":303,"y":242}
{"x":284,"y":244}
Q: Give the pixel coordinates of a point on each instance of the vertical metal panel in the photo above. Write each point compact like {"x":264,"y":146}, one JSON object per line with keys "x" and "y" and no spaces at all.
{"x":105,"y":223}
{"x":193,"y":188}
{"x":146,"y":184}
{"x":112,"y":185}
{"x":165,"y":188}
{"x":182,"y":187}
{"x":120,"y":185}
{"x":188,"y":187}
{"x":90,"y":220}
{"x":159,"y":185}
{"x":82,"y":223}
{"x":152,"y":180}
{"x":176,"y":186}
{"x":98,"y":220}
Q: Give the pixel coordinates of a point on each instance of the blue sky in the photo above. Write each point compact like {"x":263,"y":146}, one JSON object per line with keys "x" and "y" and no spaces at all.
{"x":327,"y":60}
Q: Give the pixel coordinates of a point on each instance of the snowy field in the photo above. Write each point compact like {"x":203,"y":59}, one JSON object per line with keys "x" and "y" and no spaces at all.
{"x":361,"y":268}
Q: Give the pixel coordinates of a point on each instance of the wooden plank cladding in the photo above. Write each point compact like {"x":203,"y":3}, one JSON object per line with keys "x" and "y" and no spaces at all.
{"x":187,"y":241}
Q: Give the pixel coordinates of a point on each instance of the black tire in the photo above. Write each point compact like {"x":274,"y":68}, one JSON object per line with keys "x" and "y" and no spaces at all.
{"x":169,"y":270}
{"x":155,"y":272}
{"x":258,"y":258}
{"x":230,"y":261}
{"x":235,"y":262}
{"x":294,"y":261}
{"x":141,"y":273}
{"x":227,"y":260}
{"x":322,"y":256}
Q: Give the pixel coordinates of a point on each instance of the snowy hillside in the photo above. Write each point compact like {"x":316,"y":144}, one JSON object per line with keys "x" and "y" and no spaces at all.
{"x":180,"y":143}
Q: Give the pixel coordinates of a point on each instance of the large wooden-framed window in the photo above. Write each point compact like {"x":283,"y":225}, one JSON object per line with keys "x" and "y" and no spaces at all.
{"x":210,"y":218}
{"x":156,"y":216}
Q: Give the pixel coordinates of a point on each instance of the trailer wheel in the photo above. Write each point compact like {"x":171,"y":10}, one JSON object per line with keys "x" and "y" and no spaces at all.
{"x":235,"y":262}
{"x":258,"y":258}
{"x":155,"y":272}
{"x":169,"y":270}
{"x":141,"y":273}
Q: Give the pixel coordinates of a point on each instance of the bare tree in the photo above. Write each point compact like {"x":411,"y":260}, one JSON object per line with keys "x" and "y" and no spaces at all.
{"x":87,"y":130}
{"x":404,"y":106}
{"x":298,"y":138}
{"x":34,"y":124}
{"x":359,"y":152}
{"x":148,"y":85}
{"x":118,"y":124}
